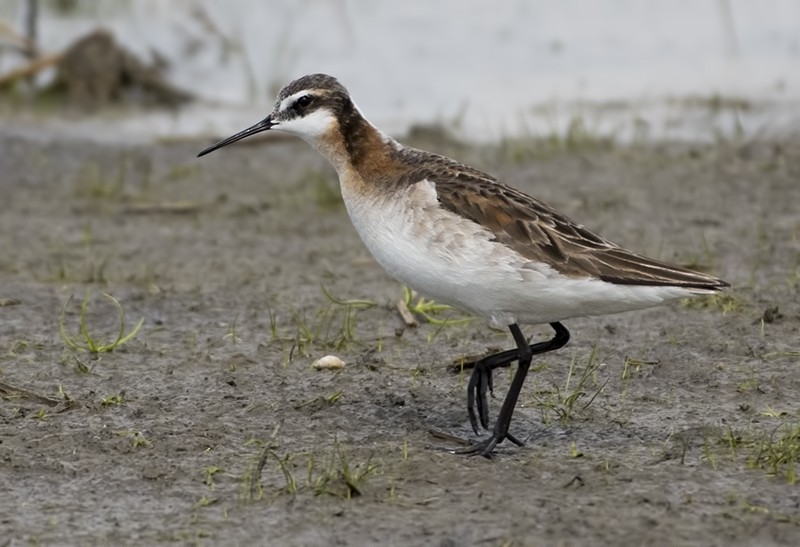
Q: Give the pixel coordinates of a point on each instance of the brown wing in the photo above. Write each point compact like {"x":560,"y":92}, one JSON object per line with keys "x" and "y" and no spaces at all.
{"x":542,"y":234}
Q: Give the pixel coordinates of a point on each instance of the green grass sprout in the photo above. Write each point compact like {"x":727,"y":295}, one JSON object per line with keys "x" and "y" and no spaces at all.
{"x":86,"y":342}
{"x":429,"y":309}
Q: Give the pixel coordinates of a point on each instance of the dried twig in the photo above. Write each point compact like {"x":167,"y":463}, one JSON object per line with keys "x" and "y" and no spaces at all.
{"x":31,"y":68}
{"x":7,"y":390}
{"x":405,"y":313}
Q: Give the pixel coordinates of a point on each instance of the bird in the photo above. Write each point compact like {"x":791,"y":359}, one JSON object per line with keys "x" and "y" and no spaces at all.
{"x":464,"y":238}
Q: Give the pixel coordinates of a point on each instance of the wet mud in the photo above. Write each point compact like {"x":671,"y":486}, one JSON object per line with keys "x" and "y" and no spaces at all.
{"x":677,"y":425}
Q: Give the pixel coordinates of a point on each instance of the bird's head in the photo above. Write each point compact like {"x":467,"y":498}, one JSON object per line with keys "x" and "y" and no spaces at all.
{"x":311,"y":107}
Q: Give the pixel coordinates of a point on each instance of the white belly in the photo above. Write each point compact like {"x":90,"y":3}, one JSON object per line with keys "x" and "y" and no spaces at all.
{"x":453,"y":260}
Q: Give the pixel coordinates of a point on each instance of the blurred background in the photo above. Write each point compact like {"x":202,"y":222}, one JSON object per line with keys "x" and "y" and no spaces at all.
{"x":630,"y":69}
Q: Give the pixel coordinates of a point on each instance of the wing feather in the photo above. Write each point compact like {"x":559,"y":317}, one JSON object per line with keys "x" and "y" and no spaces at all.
{"x":542,"y":234}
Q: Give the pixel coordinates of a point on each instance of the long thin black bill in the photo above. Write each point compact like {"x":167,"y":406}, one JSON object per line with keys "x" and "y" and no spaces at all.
{"x":263,"y":125}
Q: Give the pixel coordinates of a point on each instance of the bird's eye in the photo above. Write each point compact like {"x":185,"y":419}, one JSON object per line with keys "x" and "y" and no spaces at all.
{"x":303,"y":101}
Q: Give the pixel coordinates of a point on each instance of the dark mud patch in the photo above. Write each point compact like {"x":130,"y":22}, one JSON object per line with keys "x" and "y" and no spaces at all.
{"x":665,"y":426}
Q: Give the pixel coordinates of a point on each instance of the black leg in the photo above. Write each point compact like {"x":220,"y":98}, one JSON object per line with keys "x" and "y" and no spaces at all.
{"x":481,"y":382}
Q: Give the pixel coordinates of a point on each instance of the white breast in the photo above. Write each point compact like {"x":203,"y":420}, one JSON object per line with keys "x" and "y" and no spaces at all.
{"x":454,"y":260}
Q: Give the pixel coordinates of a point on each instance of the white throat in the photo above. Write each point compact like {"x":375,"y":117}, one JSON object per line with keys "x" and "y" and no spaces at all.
{"x":311,"y":127}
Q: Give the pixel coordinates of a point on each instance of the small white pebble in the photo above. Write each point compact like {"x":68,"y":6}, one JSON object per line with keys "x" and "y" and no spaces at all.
{"x":329,"y":362}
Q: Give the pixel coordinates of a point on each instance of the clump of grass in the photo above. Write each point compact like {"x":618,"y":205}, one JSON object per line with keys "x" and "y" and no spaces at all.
{"x":251,"y":478}
{"x":287,"y":469}
{"x":138,"y":440}
{"x":113,"y":400}
{"x":632,"y":367}
{"x":778,"y":453}
{"x":79,"y":365}
{"x":85,"y":341}
{"x":749,"y":385}
{"x":339,"y":476}
{"x":231,"y":335}
{"x":322,"y":400}
{"x":715,"y":102}
{"x":564,"y":402}
{"x":333,"y":326}
{"x":41,"y":414}
{"x":335,"y":474}
{"x":209,"y":473}
{"x":431,"y":311}
{"x":723,"y":302}
{"x":581,"y":134}
{"x":417,"y":372}
{"x":775,"y":451}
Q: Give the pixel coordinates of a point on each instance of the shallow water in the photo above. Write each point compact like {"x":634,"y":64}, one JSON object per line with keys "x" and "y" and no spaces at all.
{"x":623,"y":67}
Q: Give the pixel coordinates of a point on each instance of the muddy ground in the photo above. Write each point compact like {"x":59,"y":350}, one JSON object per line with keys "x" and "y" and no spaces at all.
{"x":677,"y":425}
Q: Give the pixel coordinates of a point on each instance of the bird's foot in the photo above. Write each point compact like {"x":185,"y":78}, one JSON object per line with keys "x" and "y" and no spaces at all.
{"x":485,"y":446}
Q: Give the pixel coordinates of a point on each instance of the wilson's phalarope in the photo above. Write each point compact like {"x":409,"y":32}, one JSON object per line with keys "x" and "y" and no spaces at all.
{"x":460,"y":236}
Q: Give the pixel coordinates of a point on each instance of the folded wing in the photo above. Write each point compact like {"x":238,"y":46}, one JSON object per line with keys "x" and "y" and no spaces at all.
{"x":542,"y":234}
